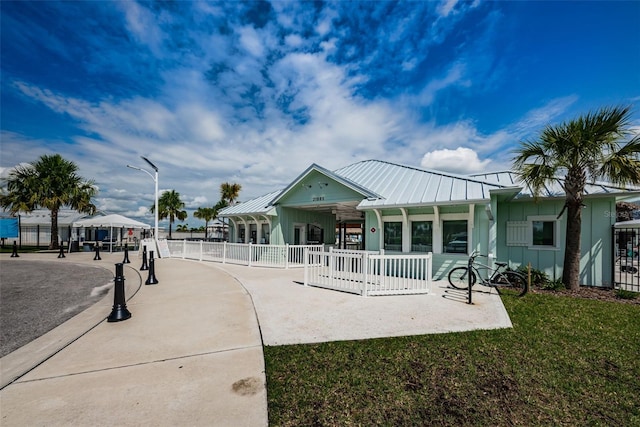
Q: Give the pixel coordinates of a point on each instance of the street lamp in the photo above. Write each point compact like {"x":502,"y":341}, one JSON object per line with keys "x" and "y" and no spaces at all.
{"x":155,"y":179}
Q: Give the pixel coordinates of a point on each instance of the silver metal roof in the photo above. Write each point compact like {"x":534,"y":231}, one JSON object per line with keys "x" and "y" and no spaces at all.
{"x":388,"y":185}
{"x":409,"y":186}
{"x":553,"y":189}
{"x":66,"y":217}
{"x":258,"y":206}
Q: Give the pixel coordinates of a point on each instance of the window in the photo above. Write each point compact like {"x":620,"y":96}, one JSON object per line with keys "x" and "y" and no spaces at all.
{"x":543,"y":232}
{"x":454,"y":237}
{"x":393,"y":236}
{"x":421,"y":236}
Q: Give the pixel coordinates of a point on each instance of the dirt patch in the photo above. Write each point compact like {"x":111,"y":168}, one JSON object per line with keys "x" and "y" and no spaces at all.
{"x":246,"y":386}
{"x":589,"y":292}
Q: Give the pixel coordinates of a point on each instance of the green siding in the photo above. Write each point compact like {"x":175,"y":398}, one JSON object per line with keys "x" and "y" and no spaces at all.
{"x":289,"y":217}
{"x":596,"y":250}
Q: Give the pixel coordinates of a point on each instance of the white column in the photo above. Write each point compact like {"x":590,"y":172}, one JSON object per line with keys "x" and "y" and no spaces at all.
{"x":380,"y":229}
{"x":406,"y":231}
{"x":437,"y":231}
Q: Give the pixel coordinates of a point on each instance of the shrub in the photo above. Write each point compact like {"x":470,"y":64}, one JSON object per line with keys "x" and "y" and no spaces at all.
{"x":624,"y":294}
{"x":540,"y":279}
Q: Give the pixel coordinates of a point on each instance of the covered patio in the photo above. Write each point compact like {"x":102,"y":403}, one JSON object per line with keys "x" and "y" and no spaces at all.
{"x":111,"y":222}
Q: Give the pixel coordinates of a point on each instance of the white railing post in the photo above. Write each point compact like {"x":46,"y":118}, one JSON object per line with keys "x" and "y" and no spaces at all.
{"x":429,"y":271}
{"x":184,"y":248}
{"x":306,"y":266}
{"x":365,"y":274}
{"x":250,"y":253}
{"x":201,"y":250}
{"x":224,"y":252}
{"x":286,"y":258}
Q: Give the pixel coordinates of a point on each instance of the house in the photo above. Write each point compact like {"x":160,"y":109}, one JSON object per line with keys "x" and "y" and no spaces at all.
{"x":407,"y":209}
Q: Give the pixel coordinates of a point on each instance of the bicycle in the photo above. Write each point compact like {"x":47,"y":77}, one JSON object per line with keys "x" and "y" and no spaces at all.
{"x":496,"y":277}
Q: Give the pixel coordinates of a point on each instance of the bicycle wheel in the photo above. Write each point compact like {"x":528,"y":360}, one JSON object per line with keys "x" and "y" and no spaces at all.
{"x":513,"y":280}
{"x":458,"y":278}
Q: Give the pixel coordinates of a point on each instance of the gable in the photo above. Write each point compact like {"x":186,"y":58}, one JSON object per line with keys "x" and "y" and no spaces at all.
{"x":315,"y":188}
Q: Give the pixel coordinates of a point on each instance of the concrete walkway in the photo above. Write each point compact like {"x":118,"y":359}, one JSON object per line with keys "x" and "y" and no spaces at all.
{"x":192,"y":352}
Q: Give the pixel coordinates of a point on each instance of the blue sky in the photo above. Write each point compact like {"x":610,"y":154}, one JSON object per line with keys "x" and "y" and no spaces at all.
{"x":254,"y":92}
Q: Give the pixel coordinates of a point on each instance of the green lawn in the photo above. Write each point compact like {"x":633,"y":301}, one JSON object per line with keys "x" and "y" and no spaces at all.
{"x":567,"y":361}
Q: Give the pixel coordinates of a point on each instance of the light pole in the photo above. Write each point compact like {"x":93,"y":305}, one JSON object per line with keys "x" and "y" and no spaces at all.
{"x":155,"y":179}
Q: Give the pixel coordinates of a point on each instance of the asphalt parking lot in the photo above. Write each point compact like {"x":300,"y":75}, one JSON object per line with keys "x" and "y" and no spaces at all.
{"x":37,"y":296}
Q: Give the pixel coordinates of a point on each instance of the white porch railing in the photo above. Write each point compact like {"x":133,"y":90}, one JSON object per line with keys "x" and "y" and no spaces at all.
{"x":281,"y":256}
{"x":367,"y":273}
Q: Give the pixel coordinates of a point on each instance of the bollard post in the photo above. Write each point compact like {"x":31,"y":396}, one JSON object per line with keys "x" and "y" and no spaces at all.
{"x":119,"y":311}
{"x":151,"y":279}
{"x":61,"y":252}
{"x":14,"y":254}
{"x":126,"y":254}
{"x":97,"y":249}
{"x":144,"y":265}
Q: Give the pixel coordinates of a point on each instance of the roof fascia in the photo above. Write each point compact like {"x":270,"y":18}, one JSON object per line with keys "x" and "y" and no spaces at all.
{"x":422,"y":205}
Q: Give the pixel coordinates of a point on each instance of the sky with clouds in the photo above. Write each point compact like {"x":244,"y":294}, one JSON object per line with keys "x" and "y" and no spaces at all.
{"x":254,"y":92}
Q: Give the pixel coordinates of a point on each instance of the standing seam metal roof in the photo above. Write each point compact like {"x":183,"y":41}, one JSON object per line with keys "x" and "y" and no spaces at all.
{"x":392,"y":185}
{"x":553,"y":189}
{"x":409,"y":186}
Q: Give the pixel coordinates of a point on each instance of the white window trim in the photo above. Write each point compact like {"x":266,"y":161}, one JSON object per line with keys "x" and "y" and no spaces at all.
{"x":556,"y":232}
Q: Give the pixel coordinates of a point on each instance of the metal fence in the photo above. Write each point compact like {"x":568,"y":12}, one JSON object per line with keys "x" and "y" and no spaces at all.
{"x":366,"y":273}
{"x":279,"y":256}
{"x":626,"y":268}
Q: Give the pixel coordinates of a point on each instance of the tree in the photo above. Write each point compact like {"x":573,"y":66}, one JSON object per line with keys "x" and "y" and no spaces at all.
{"x":598,"y":145}
{"x":206,"y":214}
{"x":230,"y":192}
{"x":51,"y":182}
{"x":170,"y":206}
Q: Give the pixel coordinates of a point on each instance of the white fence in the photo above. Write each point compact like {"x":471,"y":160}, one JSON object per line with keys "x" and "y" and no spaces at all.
{"x":367,"y":273}
{"x":281,"y":256}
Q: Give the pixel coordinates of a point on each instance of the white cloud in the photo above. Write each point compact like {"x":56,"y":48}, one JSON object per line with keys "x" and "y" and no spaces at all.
{"x":143,"y":26}
{"x":454,"y":77}
{"x":461,"y":160}
{"x":446,"y":7}
{"x":251,"y":41}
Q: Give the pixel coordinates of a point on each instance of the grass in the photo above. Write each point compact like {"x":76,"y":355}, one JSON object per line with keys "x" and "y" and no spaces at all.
{"x":567,"y":361}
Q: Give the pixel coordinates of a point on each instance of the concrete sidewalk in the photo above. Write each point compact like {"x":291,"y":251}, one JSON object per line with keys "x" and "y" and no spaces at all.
{"x":192,"y":352}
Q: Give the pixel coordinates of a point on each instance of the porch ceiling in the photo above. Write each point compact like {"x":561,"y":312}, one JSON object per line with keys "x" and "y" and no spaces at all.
{"x":343,"y":211}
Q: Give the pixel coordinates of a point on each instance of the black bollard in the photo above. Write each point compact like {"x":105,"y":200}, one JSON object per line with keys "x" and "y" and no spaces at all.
{"x":126,"y":255}
{"x":119,"y":311}
{"x":61,"y":253}
{"x":144,"y":259}
{"x":14,"y":254}
{"x":151,"y":280}
{"x":97,"y":249}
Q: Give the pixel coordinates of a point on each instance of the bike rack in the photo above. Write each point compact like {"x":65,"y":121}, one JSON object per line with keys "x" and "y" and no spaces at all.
{"x":469,"y":273}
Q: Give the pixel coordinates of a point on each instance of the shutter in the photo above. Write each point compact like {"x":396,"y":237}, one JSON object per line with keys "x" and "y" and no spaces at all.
{"x":517,"y":233}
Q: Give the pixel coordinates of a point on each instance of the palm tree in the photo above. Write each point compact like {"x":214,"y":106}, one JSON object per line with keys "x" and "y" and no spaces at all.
{"x":50,"y":182}
{"x":230,"y":192}
{"x":206,"y":214}
{"x":170,"y":206}
{"x":587,"y":148}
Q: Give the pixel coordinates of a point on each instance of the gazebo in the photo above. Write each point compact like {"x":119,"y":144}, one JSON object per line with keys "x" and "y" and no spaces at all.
{"x":112,"y":221}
